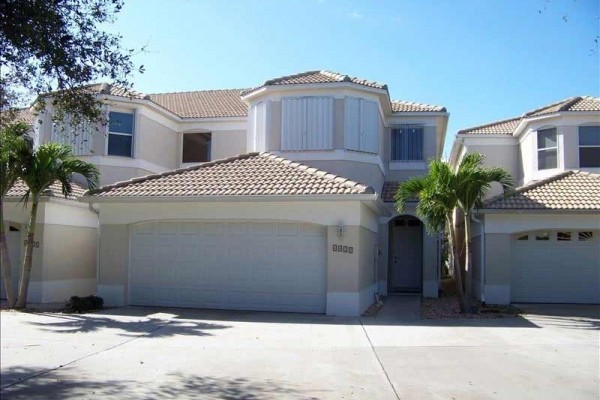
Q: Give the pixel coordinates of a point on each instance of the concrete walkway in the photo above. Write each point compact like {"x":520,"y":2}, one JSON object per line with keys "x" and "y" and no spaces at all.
{"x":400,"y":307}
{"x":179,"y":354}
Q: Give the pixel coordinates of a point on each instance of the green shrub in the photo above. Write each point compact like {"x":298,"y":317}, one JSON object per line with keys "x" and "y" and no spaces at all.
{"x":83,"y":304}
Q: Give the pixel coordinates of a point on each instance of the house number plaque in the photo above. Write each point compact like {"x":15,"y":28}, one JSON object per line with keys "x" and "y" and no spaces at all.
{"x":338,"y":248}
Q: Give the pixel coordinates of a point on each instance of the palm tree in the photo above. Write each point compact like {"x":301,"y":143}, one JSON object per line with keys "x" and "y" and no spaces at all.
{"x":473,"y":183}
{"x":437,"y":200}
{"x":15,"y":149}
{"x":50,"y":162}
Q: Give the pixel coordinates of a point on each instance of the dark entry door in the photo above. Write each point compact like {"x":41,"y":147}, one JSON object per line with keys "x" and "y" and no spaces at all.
{"x":406,"y":264}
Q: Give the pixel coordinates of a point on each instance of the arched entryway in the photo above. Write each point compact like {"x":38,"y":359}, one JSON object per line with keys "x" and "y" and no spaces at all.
{"x":405,"y":266}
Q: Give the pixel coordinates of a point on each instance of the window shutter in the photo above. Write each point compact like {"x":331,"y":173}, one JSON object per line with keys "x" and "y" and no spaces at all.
{"x":369,"y":126}
{"x":293,"y":124}
{"x":352,"y":124}
{"x":319,"y":123}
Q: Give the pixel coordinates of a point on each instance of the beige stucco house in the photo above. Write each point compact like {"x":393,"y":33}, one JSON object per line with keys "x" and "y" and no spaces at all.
{"x":276,"y":198}
{"x":541,"y":244}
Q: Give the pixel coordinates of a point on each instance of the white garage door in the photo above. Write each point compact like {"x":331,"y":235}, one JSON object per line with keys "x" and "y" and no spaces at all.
{"x":236,"y":266}
{"x":556,"y":267}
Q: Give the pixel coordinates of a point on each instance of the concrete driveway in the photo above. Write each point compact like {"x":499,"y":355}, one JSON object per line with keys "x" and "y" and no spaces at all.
{"x":552,"y":353}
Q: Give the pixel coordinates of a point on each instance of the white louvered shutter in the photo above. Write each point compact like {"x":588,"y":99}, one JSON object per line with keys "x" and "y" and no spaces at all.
{"x":369,"y":126}
{"x":319,"y":123}
{"x":352,"y":124}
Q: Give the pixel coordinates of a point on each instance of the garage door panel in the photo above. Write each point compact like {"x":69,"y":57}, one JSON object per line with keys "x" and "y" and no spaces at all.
{"x":249,"y":266}
{"x":556,"y":271}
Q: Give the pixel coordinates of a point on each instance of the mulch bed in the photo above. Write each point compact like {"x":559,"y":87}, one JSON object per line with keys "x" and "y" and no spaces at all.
{"x":447,"y":307}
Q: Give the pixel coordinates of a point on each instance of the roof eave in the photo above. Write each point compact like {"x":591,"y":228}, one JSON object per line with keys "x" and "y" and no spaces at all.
{"x":308,"y":86}
{"x":537,"y":211}
{"x":229,"y":198}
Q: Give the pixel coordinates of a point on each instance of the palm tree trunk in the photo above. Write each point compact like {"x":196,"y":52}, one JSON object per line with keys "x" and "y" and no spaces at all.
{"x":27,"y":262}
{"x":468,"y":258}
{"x":464,"y":303}
{"x":5,"y":262}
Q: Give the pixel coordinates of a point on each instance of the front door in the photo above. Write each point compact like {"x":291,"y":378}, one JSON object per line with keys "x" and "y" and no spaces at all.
{"x":406,"y":262}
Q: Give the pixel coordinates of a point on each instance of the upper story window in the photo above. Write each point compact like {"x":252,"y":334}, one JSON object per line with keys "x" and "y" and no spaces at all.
{"x":547,"y":148}
{"x":307,"y":123}
{"x":589,"y":146}
{"x":361,"y":125}
{"x":196,"y":147}
{"x":120,"y":134}
{"x":407,"y":143}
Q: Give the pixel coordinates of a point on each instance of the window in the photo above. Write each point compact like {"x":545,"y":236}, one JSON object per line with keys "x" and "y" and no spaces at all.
{"x":407,"y":143}
{"x":361,"y":119}
{"x":563,"y":236}
{"x":542,"y":236}
{"x":585,"y":236}
{"x":196,"y":147}
{"x":589,"y":146}
{"x":120,"y":134}
{"x":547,"y":147}
{"x":523,"y":237}
{"x":307,"y":123}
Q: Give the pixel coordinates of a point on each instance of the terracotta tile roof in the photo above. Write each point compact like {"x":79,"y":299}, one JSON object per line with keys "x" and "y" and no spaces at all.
{"x":571,"y":190}
{"x":114,"y":90}
{"x":203,"y":104}
{"x":321,"y":76}
{"x":508,"y":126}
{"x":245,"y":175}
{"x":504,"y":127}
{"x":18,"y":115}
{"x":408,"y":106}
{"x":55,"y":190}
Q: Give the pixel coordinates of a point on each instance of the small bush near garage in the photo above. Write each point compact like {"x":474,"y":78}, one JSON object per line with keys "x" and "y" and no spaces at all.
{"x":84,"y":304}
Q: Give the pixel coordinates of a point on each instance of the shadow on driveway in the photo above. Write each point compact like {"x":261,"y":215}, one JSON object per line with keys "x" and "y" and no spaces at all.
{"x":67,"y":383}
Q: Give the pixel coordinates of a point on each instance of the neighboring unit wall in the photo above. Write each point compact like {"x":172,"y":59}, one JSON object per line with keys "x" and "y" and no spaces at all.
{"x":113,"y":267}
{"x":69,"y":262}
{"x":155,"y":143}
{"x":504,"y":154}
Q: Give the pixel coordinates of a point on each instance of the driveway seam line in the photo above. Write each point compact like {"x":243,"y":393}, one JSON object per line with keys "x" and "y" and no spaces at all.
{"x":379,"y":361}
{"x":84,"y":357}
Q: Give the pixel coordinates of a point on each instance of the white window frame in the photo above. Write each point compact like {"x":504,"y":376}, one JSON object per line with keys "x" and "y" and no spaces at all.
{"x":538,"y":149}
{"x":133,"y":128}
{"x":579,"y":146}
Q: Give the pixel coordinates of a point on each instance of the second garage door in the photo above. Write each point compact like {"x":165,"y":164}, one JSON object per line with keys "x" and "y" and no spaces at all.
{"x":237,"y":266}
{"x":556,"y":267}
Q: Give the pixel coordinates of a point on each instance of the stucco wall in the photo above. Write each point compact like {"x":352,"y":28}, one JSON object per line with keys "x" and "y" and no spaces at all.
{"x":506,"y":156}
{"x":155,"y":143}
{"x":366,"y":173}
{"x":497,"y":268}
{"x":227,"y":144}
{"x":112,"y":174}
{"x":113,"y":264}
{"x":69,"y":262}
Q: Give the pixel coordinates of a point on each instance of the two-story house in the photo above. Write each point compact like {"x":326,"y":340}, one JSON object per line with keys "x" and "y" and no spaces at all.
{"x":542,"y":243}
{"x":278,"y":197}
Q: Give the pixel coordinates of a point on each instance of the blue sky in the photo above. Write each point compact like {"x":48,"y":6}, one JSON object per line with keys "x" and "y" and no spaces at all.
{"x":483,"y":60}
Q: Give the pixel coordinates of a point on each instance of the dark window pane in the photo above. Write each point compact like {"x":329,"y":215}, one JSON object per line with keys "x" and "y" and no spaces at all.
{"x":407,"y":143}
{"x":585,"y":236}
{"x":542,"y":236}
{"x":589,"y":135}
{"x":546,"y":138}
{"x":589,"y":157}
{"x":547,"y":159}
{"x":120,"y":122}
{"x":563,"y":236}
{"x":196,"y":147}
{"x":119,"y":145}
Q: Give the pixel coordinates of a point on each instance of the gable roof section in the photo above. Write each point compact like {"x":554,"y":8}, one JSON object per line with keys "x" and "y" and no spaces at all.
{"x":312,"y":77}
{"x":203,"y":103}
{"x":571,"y":190}
{"x":399,"y":106}
{"x":55,"y":190}
{"x":508,"y":126}
{"x":253,"y":174}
